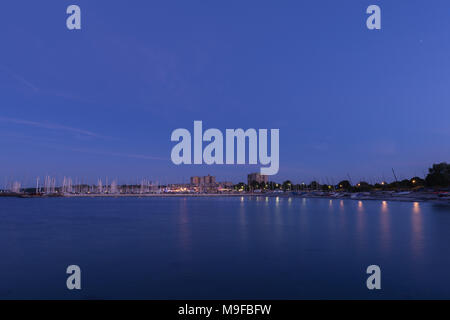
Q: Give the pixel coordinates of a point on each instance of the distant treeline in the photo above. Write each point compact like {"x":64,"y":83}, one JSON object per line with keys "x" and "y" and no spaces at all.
{"x":438,"y":177}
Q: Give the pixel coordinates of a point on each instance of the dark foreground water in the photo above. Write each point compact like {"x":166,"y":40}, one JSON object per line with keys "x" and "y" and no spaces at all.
{"x":222,"y":248}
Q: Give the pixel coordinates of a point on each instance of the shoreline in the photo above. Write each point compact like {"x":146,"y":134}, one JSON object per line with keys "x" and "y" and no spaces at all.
{"x":410,"y":197}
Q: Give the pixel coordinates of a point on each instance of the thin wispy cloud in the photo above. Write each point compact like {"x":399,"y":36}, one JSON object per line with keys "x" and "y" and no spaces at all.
{"x":34,"y":88}
{"x":51,"y":126}
{"x":104,"y":153}
{"x":117,"y":154}
{"x":38,"y":141}
{"x":25,"y":82}
{"x":28,"y":84}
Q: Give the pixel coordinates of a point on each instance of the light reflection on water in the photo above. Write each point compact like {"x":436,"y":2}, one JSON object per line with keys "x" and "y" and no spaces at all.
{"x":360,"y":227}
{"x":184,"y":227}
{"x":243,"y":223}
{"x":360,"y":206}
{"x":417,"y":229}
{"x":384,"y":207}
{"x":385,"y":227}
{"x":342,"y":216}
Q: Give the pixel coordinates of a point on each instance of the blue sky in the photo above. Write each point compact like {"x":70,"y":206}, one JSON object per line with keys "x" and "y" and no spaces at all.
{"x":103,"y":101}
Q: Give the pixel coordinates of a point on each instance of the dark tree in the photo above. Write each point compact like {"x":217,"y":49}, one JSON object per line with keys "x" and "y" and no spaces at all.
{"x":287,"y":185}
{"x":314,"y":185}
{"x":344,"y":185}
{"x":255,"y":185}
{"x":439,"y":175}
{"x":405,"y":183}
{"x":417,"y":181}
{"x":363,"y":186}
{"x":241,"y":185}
{"x":273,"y":185}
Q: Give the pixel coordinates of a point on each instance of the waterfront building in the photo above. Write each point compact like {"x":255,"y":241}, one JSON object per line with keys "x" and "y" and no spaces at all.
{"x":206,"y":180}
{"x":209,"y":180}
{"x":259,"y":178}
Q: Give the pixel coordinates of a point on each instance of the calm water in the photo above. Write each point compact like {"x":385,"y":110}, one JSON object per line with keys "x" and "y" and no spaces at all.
{"x":258,"y":248}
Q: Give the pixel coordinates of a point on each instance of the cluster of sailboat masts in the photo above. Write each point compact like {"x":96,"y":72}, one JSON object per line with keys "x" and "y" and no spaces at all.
{"x":49,"y":186}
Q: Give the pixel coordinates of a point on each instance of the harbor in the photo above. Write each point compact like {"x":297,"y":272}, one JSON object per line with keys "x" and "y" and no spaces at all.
{"x":432,"y":187}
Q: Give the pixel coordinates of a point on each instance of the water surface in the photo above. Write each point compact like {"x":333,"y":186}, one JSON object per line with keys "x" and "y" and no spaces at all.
{"x":222,"y":248}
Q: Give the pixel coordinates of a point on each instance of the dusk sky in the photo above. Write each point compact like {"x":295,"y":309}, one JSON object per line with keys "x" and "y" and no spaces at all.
{"x":104,"y":100}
